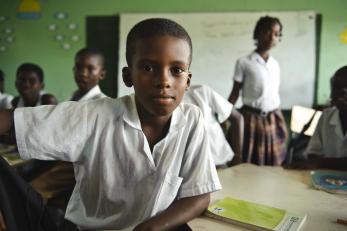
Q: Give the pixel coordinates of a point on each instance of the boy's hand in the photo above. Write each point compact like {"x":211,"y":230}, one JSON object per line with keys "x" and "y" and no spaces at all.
{"x":2,"y":222}
{"x":146,"y":226}
{"x":179,"y":212}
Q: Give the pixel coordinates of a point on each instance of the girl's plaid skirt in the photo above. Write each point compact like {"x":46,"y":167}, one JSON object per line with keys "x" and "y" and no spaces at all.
{"x":264,"y":137}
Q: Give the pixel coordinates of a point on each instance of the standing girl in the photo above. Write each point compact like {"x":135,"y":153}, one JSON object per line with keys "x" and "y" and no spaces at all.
{"x":258,"y":76}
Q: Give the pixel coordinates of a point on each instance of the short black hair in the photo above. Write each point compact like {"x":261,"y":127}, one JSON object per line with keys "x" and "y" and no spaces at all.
{"x":154,"y":27}
{"x":264,"y":24}
{"x":340,"y":73}
{"x":31,"y":67}
{"x":91,"y":51}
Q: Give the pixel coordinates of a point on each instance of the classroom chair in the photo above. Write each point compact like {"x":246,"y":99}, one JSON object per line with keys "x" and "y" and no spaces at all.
{"x":303,"y":122}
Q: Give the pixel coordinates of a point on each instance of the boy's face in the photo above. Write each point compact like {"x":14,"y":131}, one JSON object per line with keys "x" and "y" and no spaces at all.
{"x":269,"y":39}
{"x":88,"y":71}
{"x":159,"y":73}
{"x":339,"y":93}
{"x":28,"y":84}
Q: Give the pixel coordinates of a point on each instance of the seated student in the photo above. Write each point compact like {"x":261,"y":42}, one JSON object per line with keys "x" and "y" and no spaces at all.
{"x":140,"y":160}
{"x":88,"y":70}
{"x":30,"y":83}
{"x":5,"y":99}
{"x":328,"y":145}
{"x":217,"y":110}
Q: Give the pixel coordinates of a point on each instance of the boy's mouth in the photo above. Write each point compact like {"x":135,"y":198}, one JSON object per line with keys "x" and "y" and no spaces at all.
{"x":163,"y":99}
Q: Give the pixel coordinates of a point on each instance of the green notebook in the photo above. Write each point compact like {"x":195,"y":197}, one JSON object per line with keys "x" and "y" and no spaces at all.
{"x":255,"y":216}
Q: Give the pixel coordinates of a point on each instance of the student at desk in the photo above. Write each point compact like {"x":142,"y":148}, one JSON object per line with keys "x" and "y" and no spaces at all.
{"x":140,"y":160}
{"x":88,"y":70}
{"x":30,"y":84}
{"x":327,"y":147}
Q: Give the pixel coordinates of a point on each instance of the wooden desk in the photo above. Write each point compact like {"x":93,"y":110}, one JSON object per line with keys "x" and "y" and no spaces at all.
{"x":11,"y":155}
{"x":275,"y":186}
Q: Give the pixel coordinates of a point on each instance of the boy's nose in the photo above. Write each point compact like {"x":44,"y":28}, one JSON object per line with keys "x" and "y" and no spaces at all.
{"x":82,"y":72}
{"x":163,"y":78}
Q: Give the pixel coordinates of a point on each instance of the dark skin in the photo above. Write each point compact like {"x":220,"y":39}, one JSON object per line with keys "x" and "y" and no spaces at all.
{"x":88,"y":71}
{"x":159,"y":74}
{"x":339,"y":99}
{"x":29,"y":86}
{"x":235,"y":136}
{"x":265,"y":42}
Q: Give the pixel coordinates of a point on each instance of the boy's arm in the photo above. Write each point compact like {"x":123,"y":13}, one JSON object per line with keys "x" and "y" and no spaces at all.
{"x":6,"y":121}
{"x":180,"y":212}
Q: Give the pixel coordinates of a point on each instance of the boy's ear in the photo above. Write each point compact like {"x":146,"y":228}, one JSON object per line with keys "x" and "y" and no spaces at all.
{"x":127,"y":77}
{"x":188,"y":80}
{"x":103,"y":74}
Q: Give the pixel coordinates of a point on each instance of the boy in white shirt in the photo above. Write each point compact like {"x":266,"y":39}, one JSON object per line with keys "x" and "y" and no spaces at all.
{"x":217,"y":110}
{"x":141,"y":160}
{"x":328,"y":145}
{"x":88,"y":70}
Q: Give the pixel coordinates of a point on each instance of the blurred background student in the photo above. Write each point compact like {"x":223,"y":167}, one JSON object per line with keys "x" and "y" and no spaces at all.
{"x":216,"y":111}
{"x":89,"y":69}
{"x":327,"y":147}
{"x":257,"y":75}
{"x":30,"y":84}
{"x":5,"y":99}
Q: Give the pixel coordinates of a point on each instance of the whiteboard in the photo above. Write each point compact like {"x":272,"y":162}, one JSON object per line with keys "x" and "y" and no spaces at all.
{"x":219,"y":39}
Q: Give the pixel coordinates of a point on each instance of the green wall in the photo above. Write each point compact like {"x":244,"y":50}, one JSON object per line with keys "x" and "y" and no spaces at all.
{"x":34,"y":42}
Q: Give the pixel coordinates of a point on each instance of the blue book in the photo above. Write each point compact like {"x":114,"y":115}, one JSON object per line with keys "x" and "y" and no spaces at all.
{"x":330,"y":181}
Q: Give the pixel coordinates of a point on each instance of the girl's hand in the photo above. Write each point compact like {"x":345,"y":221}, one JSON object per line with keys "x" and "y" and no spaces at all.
{"x":2,"y":223}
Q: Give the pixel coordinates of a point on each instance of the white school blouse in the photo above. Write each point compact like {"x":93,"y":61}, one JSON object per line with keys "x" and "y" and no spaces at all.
{"x":93,"y":93}
{"x":5,"y":101}
{"x":119,"y":181}
{"x":328,"y":139}
{"x":260,"y":81}
{"x":215,"y":110}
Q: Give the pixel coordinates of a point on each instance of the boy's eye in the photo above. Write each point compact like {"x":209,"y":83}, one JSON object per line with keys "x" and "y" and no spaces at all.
{"x":177,"y":71}
{"x":147,"y":68}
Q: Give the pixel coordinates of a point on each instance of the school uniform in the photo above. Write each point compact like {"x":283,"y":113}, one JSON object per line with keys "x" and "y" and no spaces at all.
{"x":265,"y":129}
{"x":94,"y":93}
{"x":328,"y":139}
{"x":56,"y":184}
{"x":20,"y":102}
{"x":119,"y":181}
{"x":215,"y":110}
{"x":5,"y":101}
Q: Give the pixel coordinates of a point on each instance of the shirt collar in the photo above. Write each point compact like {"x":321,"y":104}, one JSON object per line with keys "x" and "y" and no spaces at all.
{"x":131,"y":116}
{"x":255,"y":56}
{"x":91,"y":93}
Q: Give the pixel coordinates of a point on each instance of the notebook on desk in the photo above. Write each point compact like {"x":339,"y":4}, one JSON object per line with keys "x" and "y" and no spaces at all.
{"x":255,"y":216}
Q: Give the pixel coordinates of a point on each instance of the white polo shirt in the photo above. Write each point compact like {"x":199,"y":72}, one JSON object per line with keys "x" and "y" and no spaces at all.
{"x":328,"y":139}
{"x":5,"y":101}
{"x":119,"y":181}
{"x":93,"y":93}
{"x":260,"y":81}
{"x":215,"y":110}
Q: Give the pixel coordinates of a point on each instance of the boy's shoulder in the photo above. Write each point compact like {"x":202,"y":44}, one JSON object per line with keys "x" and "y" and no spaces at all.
{"x":189,"y":110}
{"x":106,"y":105}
